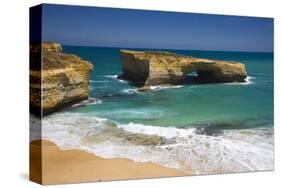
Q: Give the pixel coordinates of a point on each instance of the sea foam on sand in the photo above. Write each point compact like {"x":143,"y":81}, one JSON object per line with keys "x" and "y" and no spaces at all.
{"x":185,"y":149}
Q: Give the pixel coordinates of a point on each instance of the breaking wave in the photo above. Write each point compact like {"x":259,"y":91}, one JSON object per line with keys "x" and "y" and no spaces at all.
{"x":115,"y":76}
{"x":90,"y":101}
{"x":112,"y":76}
{"x":187,"y":149}
{"x":165,"y":87}
{"x":248,"y":81}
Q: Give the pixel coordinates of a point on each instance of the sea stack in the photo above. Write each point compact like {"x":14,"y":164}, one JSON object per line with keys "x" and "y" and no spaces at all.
{"x":150,"y":68}
{"x":57,"y":79}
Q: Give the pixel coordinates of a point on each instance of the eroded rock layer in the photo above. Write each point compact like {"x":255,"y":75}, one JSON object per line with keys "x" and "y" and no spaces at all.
{"x":150,"y":68}
{"x":61,"y":80}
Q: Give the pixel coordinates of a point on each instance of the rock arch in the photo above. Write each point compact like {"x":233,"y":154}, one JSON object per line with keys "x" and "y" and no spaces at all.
{"x":161,"y":68}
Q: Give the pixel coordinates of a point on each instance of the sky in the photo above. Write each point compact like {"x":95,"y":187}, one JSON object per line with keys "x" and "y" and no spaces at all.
{"x":109,"y":27}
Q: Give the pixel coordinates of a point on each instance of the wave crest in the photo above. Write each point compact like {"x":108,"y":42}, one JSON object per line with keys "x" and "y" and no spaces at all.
{"x":90,"y":101}
{"x":185,"y":149}
{"x":248,"y":81}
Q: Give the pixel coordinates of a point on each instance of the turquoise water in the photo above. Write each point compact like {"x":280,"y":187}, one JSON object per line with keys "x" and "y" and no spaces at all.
{"x":185,"y":106}
{"x":197,"y":128}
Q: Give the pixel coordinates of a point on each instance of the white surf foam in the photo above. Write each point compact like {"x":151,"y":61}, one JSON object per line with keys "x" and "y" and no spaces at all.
{"x":129,"y":91}
{"x":165,"y":87}
{"x":184,"y":149}
{"x":167,"y":132}
{"x":123,"y":81}
{"x":248,"y":81}
{"x":90,"y":101}
{"x":113,"y":76}
{"x":35,"y":127}
{"x":152,"y":88}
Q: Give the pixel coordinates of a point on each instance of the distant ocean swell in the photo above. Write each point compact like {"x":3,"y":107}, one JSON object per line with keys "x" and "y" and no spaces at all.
{"x":193,"y":150}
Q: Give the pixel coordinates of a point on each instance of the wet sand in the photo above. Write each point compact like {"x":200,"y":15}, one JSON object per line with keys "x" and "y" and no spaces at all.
{"x":72,"y":166}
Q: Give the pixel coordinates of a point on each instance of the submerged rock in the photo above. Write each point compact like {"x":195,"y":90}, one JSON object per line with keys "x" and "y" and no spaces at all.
{"x":150,"y":68}
{"x":145,"y":140}
{"x":143,"y":89}
{"x":57,"y":79}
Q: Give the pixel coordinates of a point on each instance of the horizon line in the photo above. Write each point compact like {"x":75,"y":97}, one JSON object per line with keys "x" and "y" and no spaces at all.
{"x":101,"y":46}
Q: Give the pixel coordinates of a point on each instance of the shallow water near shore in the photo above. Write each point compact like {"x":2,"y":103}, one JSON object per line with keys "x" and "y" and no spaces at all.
{"x":202,"y":129}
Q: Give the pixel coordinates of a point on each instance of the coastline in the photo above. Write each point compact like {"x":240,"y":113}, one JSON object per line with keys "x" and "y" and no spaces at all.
{"x":138,"y":136}
{"x":71,"y":166}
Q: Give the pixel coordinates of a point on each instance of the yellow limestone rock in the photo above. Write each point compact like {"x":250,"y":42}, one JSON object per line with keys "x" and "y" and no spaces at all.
{"x":149,"y":68}
{"x":61,"y":80}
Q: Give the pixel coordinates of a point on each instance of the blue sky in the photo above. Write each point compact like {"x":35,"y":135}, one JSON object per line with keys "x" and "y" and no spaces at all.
{"x":93,"y":26}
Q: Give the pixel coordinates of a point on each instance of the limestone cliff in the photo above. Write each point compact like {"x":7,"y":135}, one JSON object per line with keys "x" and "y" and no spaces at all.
{"x":161,"y":68}
{"x":63,"y":80}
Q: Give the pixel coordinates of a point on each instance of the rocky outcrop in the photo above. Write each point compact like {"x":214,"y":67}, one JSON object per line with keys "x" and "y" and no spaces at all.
{"x":63,"y":80}
{"x":149,"y":68}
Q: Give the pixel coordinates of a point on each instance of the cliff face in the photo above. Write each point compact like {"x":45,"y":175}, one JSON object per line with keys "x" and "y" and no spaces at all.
{"x":64,"y":79}
{"x":160,"y":68}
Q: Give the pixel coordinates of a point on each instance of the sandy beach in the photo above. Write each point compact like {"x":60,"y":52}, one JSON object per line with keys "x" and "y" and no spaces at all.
{"x":71,"y":166}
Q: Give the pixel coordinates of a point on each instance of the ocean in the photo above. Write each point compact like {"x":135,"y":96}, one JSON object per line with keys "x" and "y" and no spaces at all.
{"x":196,"y":128}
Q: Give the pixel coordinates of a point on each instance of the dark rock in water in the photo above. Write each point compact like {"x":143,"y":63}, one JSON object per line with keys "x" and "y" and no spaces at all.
{"x":143,"y":89}
{"x":59,"y":81}
{"x":141,"y":139}
{"x":159,"y":68}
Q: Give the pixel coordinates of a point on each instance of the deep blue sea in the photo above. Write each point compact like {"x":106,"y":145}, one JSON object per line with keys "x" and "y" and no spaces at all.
{"x":197,"y":128}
